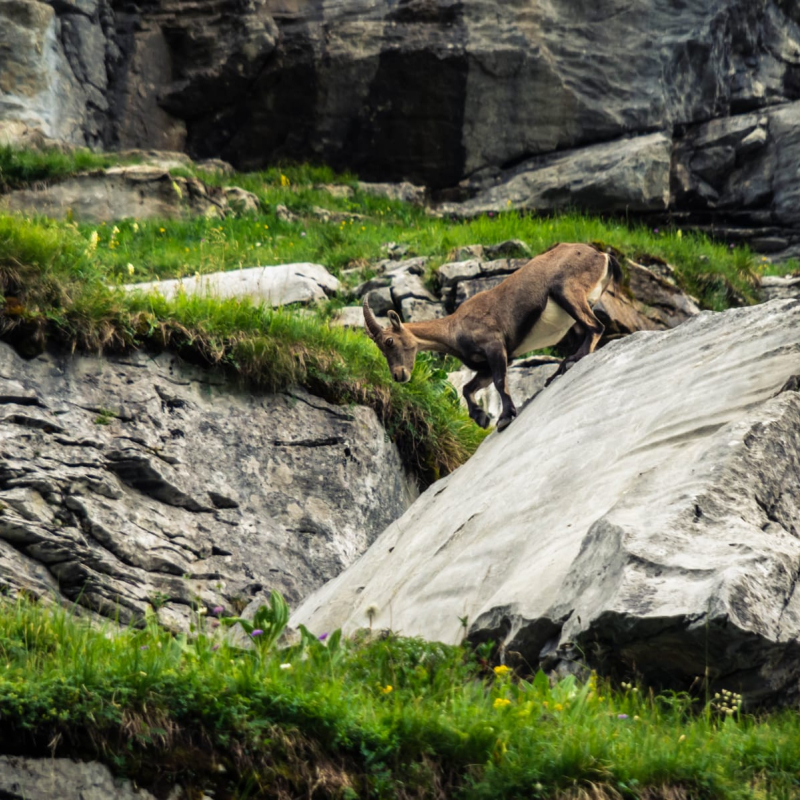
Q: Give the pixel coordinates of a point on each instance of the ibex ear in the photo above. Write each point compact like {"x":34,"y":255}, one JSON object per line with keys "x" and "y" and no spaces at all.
{"x":394,"y":318}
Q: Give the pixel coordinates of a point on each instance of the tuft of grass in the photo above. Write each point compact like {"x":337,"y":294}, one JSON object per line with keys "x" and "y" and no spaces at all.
{"x":377,"y":715}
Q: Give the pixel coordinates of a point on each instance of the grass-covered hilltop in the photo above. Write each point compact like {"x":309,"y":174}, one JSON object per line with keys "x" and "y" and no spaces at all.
{"x":231,"y":708}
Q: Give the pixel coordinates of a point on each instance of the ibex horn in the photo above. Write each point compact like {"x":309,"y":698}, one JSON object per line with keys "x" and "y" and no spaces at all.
{"x":373,"y":329}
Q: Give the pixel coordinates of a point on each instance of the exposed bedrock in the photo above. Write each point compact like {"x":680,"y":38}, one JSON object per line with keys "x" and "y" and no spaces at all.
{"x":135,"y":482}
{"x":642,"y":516}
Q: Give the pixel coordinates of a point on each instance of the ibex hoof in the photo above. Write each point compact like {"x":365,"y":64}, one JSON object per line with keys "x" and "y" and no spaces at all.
{"x":481,"y":418}
{"x":505,"y":421}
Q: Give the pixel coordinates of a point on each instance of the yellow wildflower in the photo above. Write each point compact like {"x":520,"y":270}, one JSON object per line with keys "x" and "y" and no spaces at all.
{"x":680,"y":234}
{"x":387,"y":689}
{"x":135,"y":227}
{"x":162,"y":230}
{"x":284,"y":180}
{"x":501,"y":702}
{"x":501,"y":670}
{"x":558,"y":707}
{"x":130,"y":269}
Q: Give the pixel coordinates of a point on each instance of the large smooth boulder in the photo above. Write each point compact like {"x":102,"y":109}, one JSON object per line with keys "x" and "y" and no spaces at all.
{"x":141,"y":481}
{"x":641,"y":515}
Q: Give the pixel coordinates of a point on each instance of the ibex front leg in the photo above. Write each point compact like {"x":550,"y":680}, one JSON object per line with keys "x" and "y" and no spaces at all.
{"x":498,"y":364}
{"x":480,"y":381}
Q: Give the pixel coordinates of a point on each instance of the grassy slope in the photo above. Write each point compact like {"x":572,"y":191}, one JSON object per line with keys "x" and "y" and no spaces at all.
{"x":384,"y":718}
{"x":145,"y":702}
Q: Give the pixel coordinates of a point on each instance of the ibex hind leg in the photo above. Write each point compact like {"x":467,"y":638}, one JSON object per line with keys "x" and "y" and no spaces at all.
{"x":577,"y":306}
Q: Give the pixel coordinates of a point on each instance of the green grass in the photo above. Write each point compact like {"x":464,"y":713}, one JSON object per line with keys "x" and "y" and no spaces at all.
{"x":60,"y":281}
{"x":19,"y":168}
{"x":378,"y":716}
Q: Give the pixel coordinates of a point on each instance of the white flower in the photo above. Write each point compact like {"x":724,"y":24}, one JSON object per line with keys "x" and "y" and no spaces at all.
{"x":286,"y":666}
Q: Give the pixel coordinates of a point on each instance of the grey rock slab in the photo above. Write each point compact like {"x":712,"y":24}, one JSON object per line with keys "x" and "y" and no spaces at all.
{"x":275,"y":285}
{"x":415,"y":310}
{"x":139,"y":478}
{"x":643,"y":514}
{"x":774,"y":287}
{"x":627,"y":174}
{"x":406,"y":285}
{"x":46,"y":778}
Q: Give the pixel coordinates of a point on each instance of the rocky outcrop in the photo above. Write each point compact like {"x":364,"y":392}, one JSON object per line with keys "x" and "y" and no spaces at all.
{"x":142,"y":191}
{"x":642,"y":514}
{"x":624,"y":175}
{"x":142,"y":482}
{"x":45,"y":778}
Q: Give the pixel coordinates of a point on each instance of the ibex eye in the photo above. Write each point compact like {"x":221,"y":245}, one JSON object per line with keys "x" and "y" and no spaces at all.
{"x":389,"y":342}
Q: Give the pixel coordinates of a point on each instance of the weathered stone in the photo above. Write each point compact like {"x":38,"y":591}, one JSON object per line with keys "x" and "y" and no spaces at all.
{"x":406,"y":284}
{"x":628,"y":174}
{"x":780,"y":288}
{"x":45,"y":778}
{"x":140,"y":191}
{"x":140,"y":480}
{"x":380,"y":300}
{"x":680,"y":560}
{"x":415,"y":310}
{"x":405,"y":191}
{"x":275,"y":286}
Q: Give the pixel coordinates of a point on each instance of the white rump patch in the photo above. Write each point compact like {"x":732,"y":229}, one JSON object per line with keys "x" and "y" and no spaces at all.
{"x":549,"y":329}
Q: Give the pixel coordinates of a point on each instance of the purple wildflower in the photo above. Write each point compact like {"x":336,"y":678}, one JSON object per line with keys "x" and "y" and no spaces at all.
{"x":303,"y":234}
{"x":215,"y":647}
{"x":217,"y":610}
{"x":622,"y":716}
{"x":145,"y":647}
{"x":323,"y":636}
{"x":256,"y":632}
{"x":215,"y":623}
{"x":655,"y":230}
{"x":731,"y":245}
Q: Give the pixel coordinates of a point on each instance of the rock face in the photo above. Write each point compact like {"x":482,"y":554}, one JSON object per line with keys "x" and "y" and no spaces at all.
{"x":140,"y":192}
{"x":141,"y":481}
{"x":43,"y":779}
{"x":643,"y":512}
{"x":544,"y":106}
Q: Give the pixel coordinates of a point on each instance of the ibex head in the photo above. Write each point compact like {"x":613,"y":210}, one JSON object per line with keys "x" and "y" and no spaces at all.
{"x":397,"y":343}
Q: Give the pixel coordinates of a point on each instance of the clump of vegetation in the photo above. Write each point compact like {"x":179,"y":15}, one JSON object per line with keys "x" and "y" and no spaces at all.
{"x":374,"y":716}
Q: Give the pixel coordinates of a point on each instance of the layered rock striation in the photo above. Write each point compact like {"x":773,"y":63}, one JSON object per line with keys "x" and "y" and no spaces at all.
{"x":642,"y":515}
{"x":141,"y":482}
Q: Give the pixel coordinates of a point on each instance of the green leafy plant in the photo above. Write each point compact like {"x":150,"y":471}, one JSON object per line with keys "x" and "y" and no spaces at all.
{"x":267,"y":624}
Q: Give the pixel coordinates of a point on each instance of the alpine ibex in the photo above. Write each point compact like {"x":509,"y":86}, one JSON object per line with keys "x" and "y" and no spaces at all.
{"x":533,"y":308}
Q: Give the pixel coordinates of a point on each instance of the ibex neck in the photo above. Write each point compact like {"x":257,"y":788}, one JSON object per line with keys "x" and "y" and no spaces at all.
{"x":434,"y":335}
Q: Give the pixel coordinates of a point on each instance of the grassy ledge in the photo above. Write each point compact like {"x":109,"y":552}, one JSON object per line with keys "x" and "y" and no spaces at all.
{"x":60,"y":286}
{"x":376,"y":716}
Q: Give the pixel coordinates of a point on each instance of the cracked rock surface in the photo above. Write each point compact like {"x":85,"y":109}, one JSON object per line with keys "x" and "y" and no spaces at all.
{"x":141,"y":480}
{"x":642,"y":516}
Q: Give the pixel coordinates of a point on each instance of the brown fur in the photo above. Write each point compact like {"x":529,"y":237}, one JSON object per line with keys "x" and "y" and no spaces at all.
{"x":486,"y":330}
